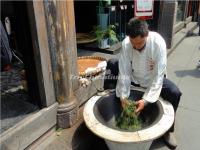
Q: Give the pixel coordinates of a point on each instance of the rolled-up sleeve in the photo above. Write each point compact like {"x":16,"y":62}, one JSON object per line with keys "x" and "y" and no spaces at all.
{"x":124,"y":79}
{"x":152,"y":93}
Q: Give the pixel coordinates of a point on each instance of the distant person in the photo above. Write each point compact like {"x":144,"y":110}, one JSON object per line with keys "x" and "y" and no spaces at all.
{"x":198,"y":64}
{"x":199,"y":18}
{"x":6,"y":54}
{"x":142,"y":62}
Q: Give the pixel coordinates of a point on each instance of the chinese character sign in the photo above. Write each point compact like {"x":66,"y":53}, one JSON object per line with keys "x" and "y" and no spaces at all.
{"x":144,"y":8}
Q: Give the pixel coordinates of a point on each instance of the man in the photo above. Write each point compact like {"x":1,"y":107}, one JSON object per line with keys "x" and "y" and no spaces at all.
{"x":199,"y":18}
{"x":143,"y":62}
{"x":198,"y":64}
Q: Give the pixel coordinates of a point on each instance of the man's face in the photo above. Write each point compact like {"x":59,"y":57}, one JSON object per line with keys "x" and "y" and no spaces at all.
{"x":138,"y":42}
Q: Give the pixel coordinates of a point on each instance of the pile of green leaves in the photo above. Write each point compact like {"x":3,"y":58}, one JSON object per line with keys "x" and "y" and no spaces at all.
{"x":128,"y":119}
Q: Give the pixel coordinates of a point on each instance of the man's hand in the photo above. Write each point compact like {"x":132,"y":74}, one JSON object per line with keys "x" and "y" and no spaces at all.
{"x":140,"y":106}
{"x":124,"y":102}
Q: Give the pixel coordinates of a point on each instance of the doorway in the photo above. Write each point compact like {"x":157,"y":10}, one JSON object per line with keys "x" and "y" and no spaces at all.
{"x":19,"y":84}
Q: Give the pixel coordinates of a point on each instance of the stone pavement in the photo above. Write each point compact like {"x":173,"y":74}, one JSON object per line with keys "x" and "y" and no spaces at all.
{"x":182,"y":70}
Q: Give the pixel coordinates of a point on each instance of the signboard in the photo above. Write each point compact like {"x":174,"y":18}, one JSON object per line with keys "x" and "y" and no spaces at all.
{"x":144,"y":8}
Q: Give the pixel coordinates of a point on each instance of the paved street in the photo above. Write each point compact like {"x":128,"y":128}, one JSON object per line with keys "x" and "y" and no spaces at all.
{"x":182,"y":70}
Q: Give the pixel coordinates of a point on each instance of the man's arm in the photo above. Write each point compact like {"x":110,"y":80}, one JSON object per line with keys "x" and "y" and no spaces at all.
{"x":153,"y":92}
{"x":124,"y":80}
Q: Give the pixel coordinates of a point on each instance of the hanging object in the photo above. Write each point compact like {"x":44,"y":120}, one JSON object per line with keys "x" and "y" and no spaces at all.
{"x":8,"y":26}
{"x":144,"y":9}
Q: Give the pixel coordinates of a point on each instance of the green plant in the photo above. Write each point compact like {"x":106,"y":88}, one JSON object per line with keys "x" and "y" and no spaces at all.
{"x":128,"y":119}
{"x":59,"y":129}
{"x":108,"y":33}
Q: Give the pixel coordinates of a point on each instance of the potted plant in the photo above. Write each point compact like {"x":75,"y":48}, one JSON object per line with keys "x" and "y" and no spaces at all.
{"x":105,"y":37}
{"x":102,"y":14}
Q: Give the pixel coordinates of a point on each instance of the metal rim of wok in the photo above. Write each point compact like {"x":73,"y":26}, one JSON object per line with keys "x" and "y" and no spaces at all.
{"x":147,"y":134}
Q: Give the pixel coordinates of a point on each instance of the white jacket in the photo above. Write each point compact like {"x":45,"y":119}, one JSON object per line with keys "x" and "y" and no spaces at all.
{"x":146,"y":68}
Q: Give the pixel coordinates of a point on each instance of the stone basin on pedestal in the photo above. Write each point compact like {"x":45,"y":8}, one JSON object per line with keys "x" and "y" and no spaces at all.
{"x":100,"y":113}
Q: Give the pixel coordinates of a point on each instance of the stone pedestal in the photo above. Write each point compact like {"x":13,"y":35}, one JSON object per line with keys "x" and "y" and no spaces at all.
{"x":67,"y":114}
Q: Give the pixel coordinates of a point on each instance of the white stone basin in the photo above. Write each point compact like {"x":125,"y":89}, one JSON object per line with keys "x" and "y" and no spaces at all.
{"x":100,"y":112}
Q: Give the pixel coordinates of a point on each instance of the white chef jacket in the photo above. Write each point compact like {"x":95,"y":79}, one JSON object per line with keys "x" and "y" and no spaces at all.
{"x":146,"y":68}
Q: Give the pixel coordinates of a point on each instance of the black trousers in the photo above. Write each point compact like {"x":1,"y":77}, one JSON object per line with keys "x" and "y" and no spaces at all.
{"x":169,"y":92}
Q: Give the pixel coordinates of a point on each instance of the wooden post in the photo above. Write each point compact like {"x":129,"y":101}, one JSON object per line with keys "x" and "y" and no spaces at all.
{"x":186,"y":10}
{"x":61,"y":32}
{"x":166,"y":21}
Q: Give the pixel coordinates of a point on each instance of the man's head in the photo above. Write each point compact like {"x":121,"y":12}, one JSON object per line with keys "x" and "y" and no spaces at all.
{"x":137,"y":30}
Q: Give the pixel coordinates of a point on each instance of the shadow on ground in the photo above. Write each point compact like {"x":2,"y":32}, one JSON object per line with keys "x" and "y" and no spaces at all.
{"x":193,"y":72}
{"x":84,"y":139}
{"x":157,"y":144}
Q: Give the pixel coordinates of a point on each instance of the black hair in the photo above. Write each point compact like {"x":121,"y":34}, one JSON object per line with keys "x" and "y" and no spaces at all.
{"x":137,"y":27}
